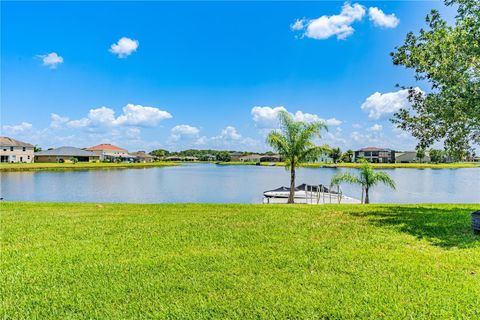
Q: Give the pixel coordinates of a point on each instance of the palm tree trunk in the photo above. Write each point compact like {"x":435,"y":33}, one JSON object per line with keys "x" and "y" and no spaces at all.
{"x":363,"y":189}
{"x":292,"y":185}
{"x":367,"y":200}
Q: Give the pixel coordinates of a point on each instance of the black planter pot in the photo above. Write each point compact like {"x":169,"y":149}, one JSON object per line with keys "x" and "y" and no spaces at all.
{"x":476,"y":222}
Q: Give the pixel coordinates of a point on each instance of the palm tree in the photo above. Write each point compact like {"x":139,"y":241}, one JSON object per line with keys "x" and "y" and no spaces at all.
{"x":294,"y":143}
{"x":367,"y":179}
{"x":335,"y":154}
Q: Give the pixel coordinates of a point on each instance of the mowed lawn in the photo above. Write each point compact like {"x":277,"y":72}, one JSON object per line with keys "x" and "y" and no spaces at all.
{"x":88,"y":261}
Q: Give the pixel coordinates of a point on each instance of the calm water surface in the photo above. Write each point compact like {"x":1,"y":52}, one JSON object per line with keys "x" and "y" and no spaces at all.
{"x":211,"y":183}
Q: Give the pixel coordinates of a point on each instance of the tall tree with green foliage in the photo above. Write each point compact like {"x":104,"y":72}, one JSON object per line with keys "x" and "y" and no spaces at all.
{"x":348,"y":156}
{"x":420,"y":154}
{"x":367,"y":178}
{"x":447,"y":57}
{"x":335,"y":154}
{"x":293,"y":142}
{"x":436,"y":156}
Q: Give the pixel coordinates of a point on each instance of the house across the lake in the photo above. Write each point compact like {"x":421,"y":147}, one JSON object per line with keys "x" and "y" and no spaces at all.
{"x":260,"y":158}
{"x":109,"y":152}
{"x":376,"y":155}
{"x":12,"y":150}
{"x":235,"y":156}
{"x":410,"y":157}
{"x":142,"y":156}
{"x":66,"y":154}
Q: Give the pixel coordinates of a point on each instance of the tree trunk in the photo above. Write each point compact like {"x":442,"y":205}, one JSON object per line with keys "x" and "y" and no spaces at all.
{"x":292,"y":184}
{"x":361,"y":201}
{"x":367,"y":200}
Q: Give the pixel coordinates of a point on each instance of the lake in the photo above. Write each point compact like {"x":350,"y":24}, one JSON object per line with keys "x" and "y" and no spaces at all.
{"x":210,"y":183}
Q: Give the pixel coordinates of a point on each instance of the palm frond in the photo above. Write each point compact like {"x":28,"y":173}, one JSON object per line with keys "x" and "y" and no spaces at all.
{"x":345,"y":177}
{"x":384,"y":178}
{"x":278,"y":142}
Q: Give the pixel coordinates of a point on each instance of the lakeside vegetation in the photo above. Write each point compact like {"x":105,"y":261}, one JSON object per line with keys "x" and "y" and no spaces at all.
{"x":9,"y":167}
{"x":73,"y":260}
{"x":453,"y":165}
{"x":38,"y":166}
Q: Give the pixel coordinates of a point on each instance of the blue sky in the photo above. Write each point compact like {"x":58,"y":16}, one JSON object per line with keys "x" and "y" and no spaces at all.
{"x":203,"y":74}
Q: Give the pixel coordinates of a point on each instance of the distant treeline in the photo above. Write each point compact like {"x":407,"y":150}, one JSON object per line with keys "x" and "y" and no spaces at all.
{"x":203,"y":155}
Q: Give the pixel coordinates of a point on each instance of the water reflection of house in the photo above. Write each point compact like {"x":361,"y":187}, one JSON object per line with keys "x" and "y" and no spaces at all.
{"x":109,"y":152}
{"x":12,"y":150}
{"x":66,"y":154}
{"x":142,"y":156}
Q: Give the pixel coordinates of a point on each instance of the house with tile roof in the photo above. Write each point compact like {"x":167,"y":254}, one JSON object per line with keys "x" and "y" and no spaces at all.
{"x":109,"y":152}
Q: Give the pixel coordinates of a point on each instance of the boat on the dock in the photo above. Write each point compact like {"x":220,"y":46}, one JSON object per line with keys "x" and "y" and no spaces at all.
{"x":309,"y":194}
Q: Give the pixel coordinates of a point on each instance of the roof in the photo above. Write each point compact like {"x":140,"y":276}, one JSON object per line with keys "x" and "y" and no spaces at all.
{"x":141,"y":154}
{"x":9,"y":142}
{"x":105,"y":146}
{"x":66,"y":152}
{"x":251,"y":156}
{"x":374,"y":149}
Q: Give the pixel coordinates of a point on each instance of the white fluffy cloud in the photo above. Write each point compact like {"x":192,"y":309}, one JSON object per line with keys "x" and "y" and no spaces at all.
{"x":379,"y":104}
{"x":137,"y":115}
{"x":16,"y":128}
{"x":308,"y":117}
{"x":376,"y":128}
{"x":51,"y":60}
{"x":184,"y":131}
{"x":57,"y":121}
{"x":230,"y":138}
{"x":380,"y":19}
{"x":133,"y":115}
{"x":186,"y":136}
{"x":299,"y":24}
{"x":267,"y":117}
{"x":336,"y":25}
{"x":229,"y":133}
{"x":124,"y":47}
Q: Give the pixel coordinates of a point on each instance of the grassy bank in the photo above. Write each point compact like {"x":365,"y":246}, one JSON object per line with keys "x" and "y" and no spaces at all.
{"x":455,"y":165}
{"x":78,"y":166}
{"x":238,"y":261}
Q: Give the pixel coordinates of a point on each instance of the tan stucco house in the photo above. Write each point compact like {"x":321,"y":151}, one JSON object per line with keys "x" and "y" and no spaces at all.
{"x":12,"y":150}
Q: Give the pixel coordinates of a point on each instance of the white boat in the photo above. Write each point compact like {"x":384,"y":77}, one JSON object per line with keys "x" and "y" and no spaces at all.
{"x":309,"y":194}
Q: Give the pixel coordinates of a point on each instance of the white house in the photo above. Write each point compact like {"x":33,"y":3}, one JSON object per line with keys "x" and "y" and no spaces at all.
{"x":12,"y":150}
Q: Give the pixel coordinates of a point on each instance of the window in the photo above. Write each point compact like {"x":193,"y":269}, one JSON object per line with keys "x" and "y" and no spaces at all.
{"x":24,"y":149}
{"x":28,"y":157}
{"x":11,"y":148}
{"x":5,"y":149}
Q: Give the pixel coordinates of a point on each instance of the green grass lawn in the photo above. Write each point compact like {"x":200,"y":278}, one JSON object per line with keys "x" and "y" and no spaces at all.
{"x":78,"y":166}
{"x":88,"y":261}
{"x":454,"y":165}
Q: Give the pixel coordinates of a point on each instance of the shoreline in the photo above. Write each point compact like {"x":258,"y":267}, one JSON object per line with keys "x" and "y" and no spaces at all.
{"x":455,"y":165}
{"x":19,"y":167}
{"x":22,"y":167}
